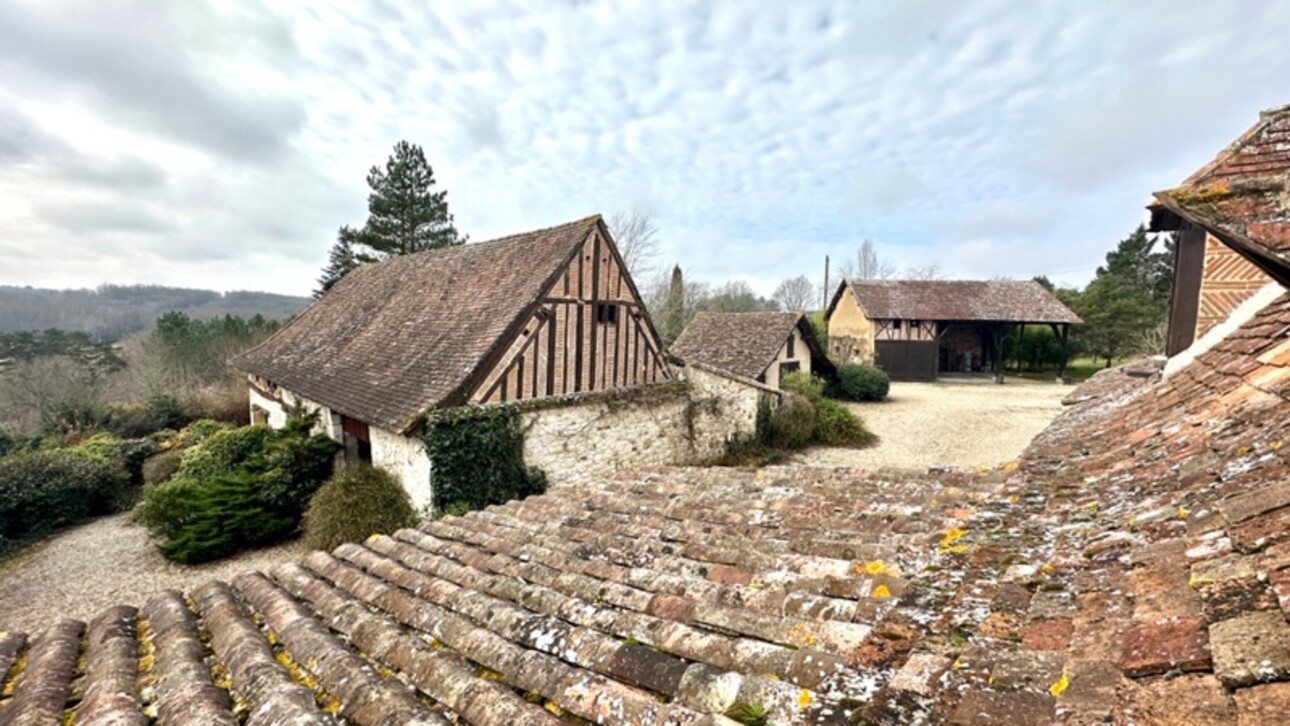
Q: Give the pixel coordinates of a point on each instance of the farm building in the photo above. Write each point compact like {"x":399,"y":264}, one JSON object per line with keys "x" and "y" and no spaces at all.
{"x":546,"y":315}
{"x":760,"y":346}
{"x":916,"y":329}
{"x":1216,"y":282}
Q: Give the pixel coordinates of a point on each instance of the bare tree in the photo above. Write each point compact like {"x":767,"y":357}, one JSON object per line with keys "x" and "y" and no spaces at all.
{"x":867,"y":265}
{"x":637,"y":239}
{"x":795,"y":293}
{"x":926,"y":272}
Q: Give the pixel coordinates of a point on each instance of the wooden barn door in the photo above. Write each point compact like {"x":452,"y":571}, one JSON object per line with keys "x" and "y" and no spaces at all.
{"x":907,"y":360}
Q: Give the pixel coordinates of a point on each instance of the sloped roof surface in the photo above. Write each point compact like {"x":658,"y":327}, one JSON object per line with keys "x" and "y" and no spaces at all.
{"x":742,"y":343}
{"x":984,"y":300}
{"x":1243,"y":196}
{"x":1134,"y":566}
{"x":395,"y":338}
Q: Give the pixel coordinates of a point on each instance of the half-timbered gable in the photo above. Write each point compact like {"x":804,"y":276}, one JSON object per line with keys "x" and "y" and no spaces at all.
{"x":588,"y":332}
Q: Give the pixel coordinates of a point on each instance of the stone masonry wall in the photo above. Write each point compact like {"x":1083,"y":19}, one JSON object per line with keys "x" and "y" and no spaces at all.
{"x":578,"y":441}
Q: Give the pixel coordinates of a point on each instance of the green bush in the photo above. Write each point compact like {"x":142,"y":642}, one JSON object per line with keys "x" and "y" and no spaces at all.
{"x":7,"y":442}
{"x":803,"y":384}
{"x":45,"y":490}
{"x":477,"y":456}
{"x":158,"y":413}
{"x":792,"y":425}
{"x":837,"y":426}
{"x":236,"y":489}
{"x":862,"y":382}
{"x":354,"y":504}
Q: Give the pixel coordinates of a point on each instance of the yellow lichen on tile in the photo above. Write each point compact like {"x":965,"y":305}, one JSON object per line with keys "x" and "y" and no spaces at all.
{"x":880,"y":592}
{"x":1062,"y":683}
{"x":949,"y":538}
{"x":803,"y":699}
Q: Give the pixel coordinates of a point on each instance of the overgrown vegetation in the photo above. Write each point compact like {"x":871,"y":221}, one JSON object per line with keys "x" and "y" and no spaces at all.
{"x":235,"y":489}
{"x":42,"y":491}
{"x":861,"y":382}
{"x":835,"y":425}
{"x":477,"y":456}
{"x":355,"y":504}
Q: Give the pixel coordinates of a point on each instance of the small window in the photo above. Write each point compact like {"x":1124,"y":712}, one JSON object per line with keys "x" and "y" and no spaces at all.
{"x":792,"y":340}
{"x":895,"y":325}
{"x":606,"y":313}
{"x":915,"y":323}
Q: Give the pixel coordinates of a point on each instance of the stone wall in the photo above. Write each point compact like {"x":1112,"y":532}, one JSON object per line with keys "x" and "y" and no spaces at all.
{"x":579,"y":440}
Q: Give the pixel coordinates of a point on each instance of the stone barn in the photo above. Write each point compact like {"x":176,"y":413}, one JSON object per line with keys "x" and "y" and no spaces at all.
{"x":917,"y":329}
{"x":549,"y":315}
{"x":762,"y":346}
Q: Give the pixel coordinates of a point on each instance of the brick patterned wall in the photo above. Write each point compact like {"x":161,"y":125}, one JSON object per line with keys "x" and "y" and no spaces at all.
{"x":1228,"y":281}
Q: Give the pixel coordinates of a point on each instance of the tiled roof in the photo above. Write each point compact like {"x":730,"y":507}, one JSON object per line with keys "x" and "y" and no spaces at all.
{"x":742,"y":343}
{"x":984,"y":300}
{"x":1243,"y":196}
{"x":395,"y":338}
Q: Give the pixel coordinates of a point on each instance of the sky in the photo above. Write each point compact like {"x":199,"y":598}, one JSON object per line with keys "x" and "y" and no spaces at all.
{"x":222,"y":144}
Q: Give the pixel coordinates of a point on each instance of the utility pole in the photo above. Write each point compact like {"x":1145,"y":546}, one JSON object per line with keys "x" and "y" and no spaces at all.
{"x":824,"y":304}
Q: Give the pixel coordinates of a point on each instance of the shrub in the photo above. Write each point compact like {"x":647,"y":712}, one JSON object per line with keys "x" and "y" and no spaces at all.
{"x":792,"y":425}
{"x":837,"y":426}
{"x":862,"y":382}
{"x":238,"y":488}
{"x":7,"y":442}
{"x":803,"y":384}
{"x":45,"y":490}
{"x":477,"y":456}
{"x":74,"y":417}
{"x":161,"y":467}
{"x":354,"y":504}
{"x":158,"y":413}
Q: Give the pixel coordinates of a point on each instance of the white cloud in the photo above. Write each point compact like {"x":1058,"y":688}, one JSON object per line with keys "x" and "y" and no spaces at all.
{"x":223,"y":145}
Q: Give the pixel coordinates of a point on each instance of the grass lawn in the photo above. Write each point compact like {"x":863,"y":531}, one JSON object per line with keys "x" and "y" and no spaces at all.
{"x":1079,"y":369}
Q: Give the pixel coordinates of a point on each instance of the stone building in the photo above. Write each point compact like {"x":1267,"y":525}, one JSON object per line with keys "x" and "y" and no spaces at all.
{"x":762,"y":346}
{"x":549,"y":315}
{"x":916,"y":329}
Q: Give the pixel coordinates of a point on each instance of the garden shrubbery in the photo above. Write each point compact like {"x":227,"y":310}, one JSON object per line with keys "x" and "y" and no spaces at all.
{"x":861,"y":382}
{"x":237,"y":488}
{"x":354,"y":504}
{"x":41,"y":491}
{"x":792,"y":424}
{"x":835,"y":425}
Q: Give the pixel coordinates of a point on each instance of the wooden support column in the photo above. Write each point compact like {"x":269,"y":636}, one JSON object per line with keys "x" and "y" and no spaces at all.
{"x":997,"y":332}
{"x":1021,"y":338}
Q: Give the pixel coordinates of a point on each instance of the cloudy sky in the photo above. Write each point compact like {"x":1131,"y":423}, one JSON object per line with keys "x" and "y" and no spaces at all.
{"x":221,"y":144}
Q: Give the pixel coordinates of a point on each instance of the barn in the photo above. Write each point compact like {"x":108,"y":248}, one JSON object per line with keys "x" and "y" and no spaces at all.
{"x":918,"y":329}
{"x":543,"y":314}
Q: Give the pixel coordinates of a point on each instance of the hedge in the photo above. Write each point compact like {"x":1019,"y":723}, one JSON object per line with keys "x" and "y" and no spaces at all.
{"x":44,"y":490}
{"x":861,"y":382}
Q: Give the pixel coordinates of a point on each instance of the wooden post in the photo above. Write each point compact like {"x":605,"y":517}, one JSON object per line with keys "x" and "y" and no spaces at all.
{"x":1021,"y":338}
{"x":996,"y":334}
{"x":1066,"y":329}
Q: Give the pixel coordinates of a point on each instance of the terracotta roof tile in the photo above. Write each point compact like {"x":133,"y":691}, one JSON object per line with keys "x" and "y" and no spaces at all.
{"x":395,"y":338}
{"x":1003,"y":300}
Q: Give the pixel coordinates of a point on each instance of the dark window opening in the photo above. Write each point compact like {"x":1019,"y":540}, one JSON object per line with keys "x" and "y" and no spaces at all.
{"x":791,"y":340}
{"x":895,"y":325}
{"x":606,"y":313}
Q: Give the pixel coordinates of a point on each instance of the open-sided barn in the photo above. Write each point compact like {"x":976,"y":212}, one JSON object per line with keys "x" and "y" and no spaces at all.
{"x":917,"y":329}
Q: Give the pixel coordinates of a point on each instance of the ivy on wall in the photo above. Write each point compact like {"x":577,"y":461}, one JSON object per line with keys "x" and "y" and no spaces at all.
{"x":477,"y":458}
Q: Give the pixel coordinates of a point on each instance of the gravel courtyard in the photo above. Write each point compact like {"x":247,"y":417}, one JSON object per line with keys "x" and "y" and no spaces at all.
{"x":80,"y":572}
{"x":972,"y":422}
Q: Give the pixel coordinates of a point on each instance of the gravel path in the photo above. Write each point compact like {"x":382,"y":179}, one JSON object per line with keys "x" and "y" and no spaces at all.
{"x":949,"y":423}
{"x":82,"y":571}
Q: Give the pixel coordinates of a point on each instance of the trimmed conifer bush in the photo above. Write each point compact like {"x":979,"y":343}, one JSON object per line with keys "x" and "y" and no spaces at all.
{"x":237,"y":489}
{"x":353,"y":505}
{"x":837,"y":426}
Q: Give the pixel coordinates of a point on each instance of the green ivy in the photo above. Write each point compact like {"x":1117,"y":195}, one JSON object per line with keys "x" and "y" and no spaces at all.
{"x":477,"y":458}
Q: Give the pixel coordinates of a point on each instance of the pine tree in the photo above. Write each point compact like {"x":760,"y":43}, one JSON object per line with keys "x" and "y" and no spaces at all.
{"x":404,"y":217}
{"x":674,"y":311}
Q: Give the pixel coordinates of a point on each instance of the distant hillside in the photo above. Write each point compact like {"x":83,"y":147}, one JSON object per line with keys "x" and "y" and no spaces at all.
{"x":113,"y":312}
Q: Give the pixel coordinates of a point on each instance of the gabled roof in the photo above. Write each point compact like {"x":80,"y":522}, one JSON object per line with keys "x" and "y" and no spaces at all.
{"x":744,"y":344}
{"x":1009,"y":301}
{"x":1242,"y":197}
{"x":398,"y":337}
